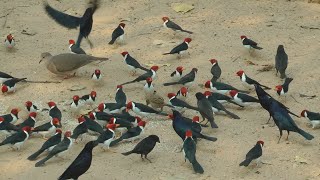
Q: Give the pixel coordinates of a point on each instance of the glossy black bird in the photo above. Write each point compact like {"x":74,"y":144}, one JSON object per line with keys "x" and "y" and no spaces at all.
{"x":186,"y":80}
{"x":144,"y":147}
{"x":254,"y":154}
{"x":81,"y":164}
{"x":180,"y":125}
{"x":149,"y":74}
{"x":117,"y":33}
{"x":205,"y":109}
{"x":265,"y":101}
{"x":281,"y":62}
{"x":60,"y":148}
{"x":215,"y":70}
{"x":284,"y":121}
{"x":72,"y":22}
{"x":217,"y":106}
{"x":121,"y":97}
{"x":189,"y":150}
{"x":48,"y":145}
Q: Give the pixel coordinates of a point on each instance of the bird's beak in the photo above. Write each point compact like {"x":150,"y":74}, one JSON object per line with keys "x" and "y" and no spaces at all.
{"x":117,"y":125}
{"x":127,"y":110}
{"x":159,"y":141}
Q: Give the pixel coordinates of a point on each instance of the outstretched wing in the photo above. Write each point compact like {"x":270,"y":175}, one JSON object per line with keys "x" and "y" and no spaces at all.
{"x":61,"y":18}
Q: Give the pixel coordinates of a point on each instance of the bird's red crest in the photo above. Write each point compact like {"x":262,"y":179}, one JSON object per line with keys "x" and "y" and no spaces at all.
{"x":124,"y":53}
{"x":243,"y":37}
{"x":119,"y":87}
{"x":303,"y":113}
{"x":26,"y":128}
{"x":260,"y":142}
{"x":165,"y":18}
{"x":207,"y":93}
{"x":51,"y":104}
{"x":278,"y":88}
{"x":142,"y":123}
{"x":196,"y":119}
{"x":76,"y":98}
{"x":71,"y":41}
{"x":233,"y":93}
{"x":207,"y":84}
{"x":28,"y":103}
{"x":149,"y":80}
{"x":67,"y":134}
{"x":111,"y":126}
{"x":55,"y":121}
{"x":188,"y":133}
{"x":138,"y":119}
{"x":1,"y":119}
{"x":187,"y":40}
{"x":179,"y":69}
{"x":101,"y":107}
{"x":97,"y":71}
{"x":122,"y":25}
{"x":213,"y":61}
{"x":240,"y":72}
{"x":129,"y":105}
{"x":81,"y":119}
{"x":59,"y":131}
{"x":9,"y":37}
{"x":33,"y":114}
{"x":171,"y":95}
{"x":184,"y":91}
{"x":112,"y":120}
{"x":170,"y":116}
{"x":91,"y":115}
{"x":15,"y":111}
{"x":93,"y":94}
{"x":155,"y":68}
{"x":4,"y":88}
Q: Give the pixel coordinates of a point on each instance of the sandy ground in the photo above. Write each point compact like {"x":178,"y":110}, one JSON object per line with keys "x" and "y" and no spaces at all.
{"x":218,"y":25}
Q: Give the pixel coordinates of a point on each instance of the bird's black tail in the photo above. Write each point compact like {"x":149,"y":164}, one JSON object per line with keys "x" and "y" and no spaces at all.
{"x":35,"y":155}
{"x":265,"y":87}
{"x":213,"y":124}
{"x":42,"y":161}
{"x":245,"y":162}
{"x":242,"y":91}
{"x":112,"y":41}
{"x":127,"y":83}
{"x":283,"y":74}
{"x":197,"y":167}
{"x":287,"y":81}
{"x":127,"y":153}
{"x":170,"y":83}
{"x":232,"y":115}
{"x":166,"y":53}
{"x":257,"y":47}
{"x":230,"y":101}
{"x":79,"y":40}
{"x":116,"y":141}
{"x":305,"y":134}
{"x":213,"y":139}
{"x":187,"y":31}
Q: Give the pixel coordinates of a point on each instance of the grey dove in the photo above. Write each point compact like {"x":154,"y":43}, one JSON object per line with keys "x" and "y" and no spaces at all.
{"x":67,"y":63}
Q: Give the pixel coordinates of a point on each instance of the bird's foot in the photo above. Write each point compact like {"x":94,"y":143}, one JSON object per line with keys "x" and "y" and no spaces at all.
{"x":148,"y":159}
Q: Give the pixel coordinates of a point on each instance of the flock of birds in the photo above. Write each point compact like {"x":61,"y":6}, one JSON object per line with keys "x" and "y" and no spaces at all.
{"x":108,"y":118}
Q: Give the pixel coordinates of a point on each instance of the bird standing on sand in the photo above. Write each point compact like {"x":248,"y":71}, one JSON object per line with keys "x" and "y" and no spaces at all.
{"x":281,"y":62}
{"x":67,"y":63}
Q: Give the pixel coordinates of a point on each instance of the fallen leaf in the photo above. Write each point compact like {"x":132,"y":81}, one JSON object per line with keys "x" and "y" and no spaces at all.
{"x":158,"y":42}
{"x":251,"y":63}
{"x":300,"y":160}
{"x":151,"y":63}
{"x":76,"y":88}
{"x":267,"y":67}
{"x":182,"y":7}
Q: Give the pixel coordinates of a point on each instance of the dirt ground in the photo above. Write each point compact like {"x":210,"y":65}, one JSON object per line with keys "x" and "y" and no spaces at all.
{"x":218,"y":25}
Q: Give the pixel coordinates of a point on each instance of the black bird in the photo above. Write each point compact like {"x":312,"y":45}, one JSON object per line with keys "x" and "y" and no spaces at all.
{"x":284,"y":121}
{"x":281,"y":61}
{"x":81,"y":129}
{"x":189,"y":150}
{"x":72,"y":22}
{"x":93,"y":126}
{"x":205,"y":109}
{"x":117,"y":33}
{"x":81,"y":164}
{"x":144,"y":147}
{"x":186,"y":80}
{"x":215,"y":70}
{"x":221,"y":98}
{"x":48,"y":145}
{"x":132,"y":134}
{"x":149,"y":74}
{"x":171,"y":25}
{"x":181,"y":124}
{"x":218,"y":107}
{"x":121,"y":97}
{"x":254,"y":154}
{"x":265,"y":101}
{"x":62,"y":147}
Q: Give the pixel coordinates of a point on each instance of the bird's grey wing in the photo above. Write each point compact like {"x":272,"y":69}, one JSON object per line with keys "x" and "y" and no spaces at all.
{"x":69,"y":62}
